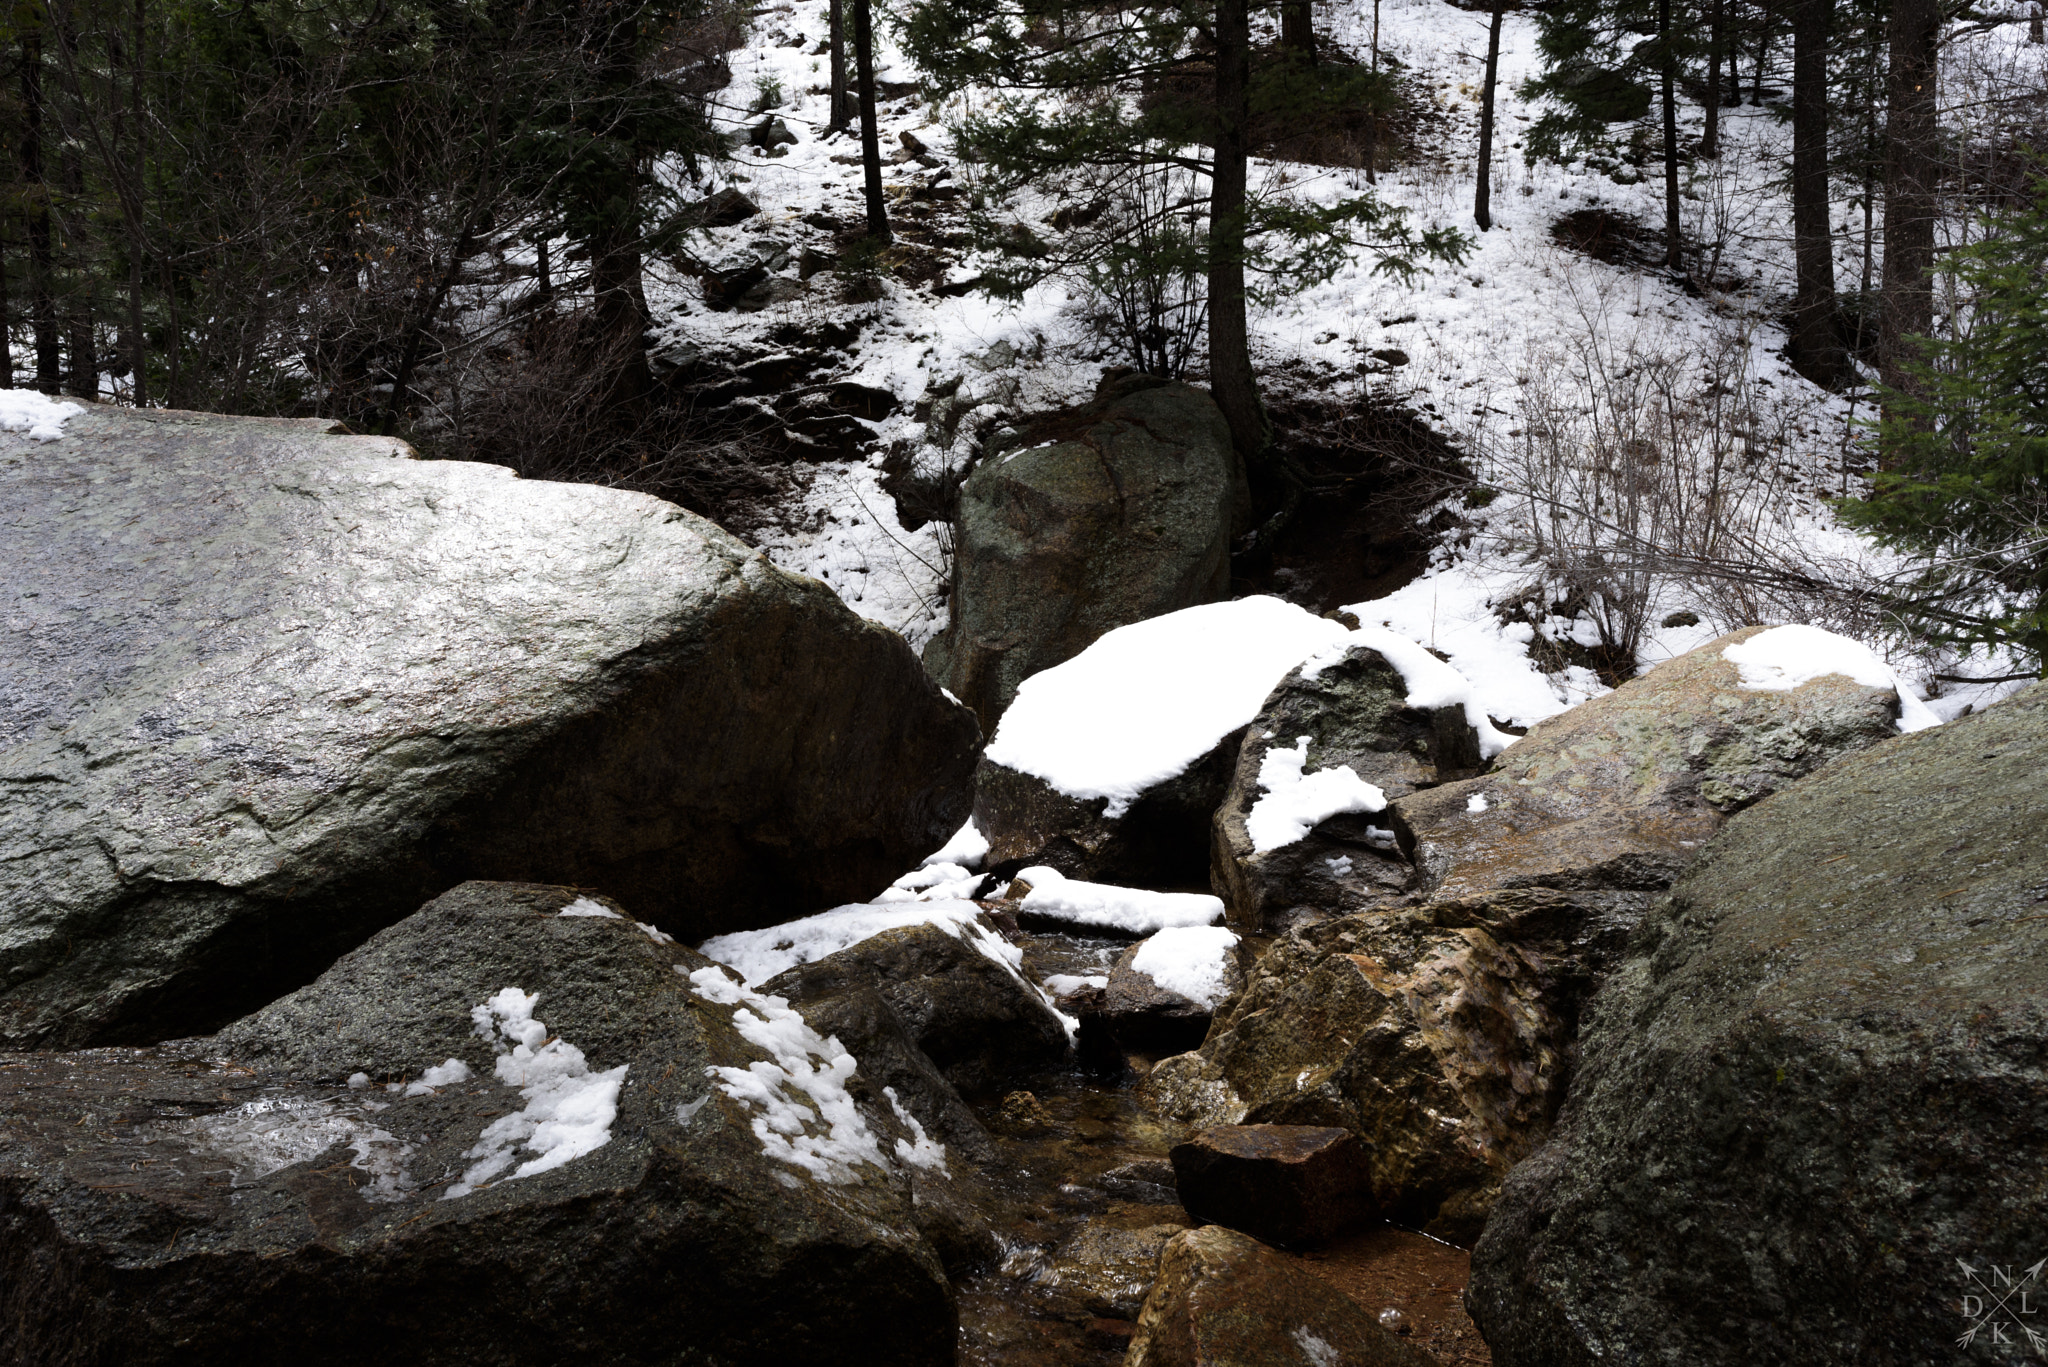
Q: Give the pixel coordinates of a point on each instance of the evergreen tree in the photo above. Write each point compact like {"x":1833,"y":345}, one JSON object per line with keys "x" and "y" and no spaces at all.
{"x":1964,"y":490}
{"x":1142,"y":115}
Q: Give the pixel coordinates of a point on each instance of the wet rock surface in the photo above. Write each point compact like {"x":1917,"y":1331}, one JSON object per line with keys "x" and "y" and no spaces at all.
{"x":1442,"y":1036}
{"x":1291,"y":1185}
{"x":1814,"y":1090}
{"x":1222,"y":1297}
{"x":1112,"y":513}
{"x":1354,"y":713}
{"x":161,"y":1206}
{"x":267,"y":689}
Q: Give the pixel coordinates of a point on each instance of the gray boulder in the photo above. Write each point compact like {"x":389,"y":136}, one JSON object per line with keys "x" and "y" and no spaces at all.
{"x":1355,"y":714}
{"x":1621,"y":792}
{"x":1085,"y":521}
{"x":265,"y":689}
{"x":1807,"y":1125}
{"x":974,"y":1016}
{"x":162,"y":1207}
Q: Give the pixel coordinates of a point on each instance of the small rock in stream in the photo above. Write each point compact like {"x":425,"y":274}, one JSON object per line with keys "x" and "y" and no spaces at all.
{"x":1291,"y":1185}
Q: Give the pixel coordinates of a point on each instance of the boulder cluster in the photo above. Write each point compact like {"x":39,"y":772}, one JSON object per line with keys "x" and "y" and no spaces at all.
{"x":435,"y":926}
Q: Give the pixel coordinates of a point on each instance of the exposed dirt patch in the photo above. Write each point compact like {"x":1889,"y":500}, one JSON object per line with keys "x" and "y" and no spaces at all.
{"x":1371,"y":469}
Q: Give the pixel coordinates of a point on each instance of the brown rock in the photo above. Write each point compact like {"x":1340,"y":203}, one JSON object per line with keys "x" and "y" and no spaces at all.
{"x":1292,"y":1185}
{"x":1225,"y":1300}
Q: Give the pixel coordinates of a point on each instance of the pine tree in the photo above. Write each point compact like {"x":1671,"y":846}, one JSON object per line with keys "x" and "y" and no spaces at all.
{"x":1144,"y":112}
{"x":1964,"y":442}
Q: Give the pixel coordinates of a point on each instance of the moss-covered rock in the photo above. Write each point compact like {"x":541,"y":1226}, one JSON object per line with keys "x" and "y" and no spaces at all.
{"x":1815,"y":1090}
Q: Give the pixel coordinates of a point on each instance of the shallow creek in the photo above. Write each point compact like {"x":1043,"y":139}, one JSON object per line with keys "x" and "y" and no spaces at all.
{"x":1082,"y":1198}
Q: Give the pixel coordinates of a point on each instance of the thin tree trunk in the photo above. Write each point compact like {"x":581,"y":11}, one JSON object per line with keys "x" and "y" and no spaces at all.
{"x":1482,"y":193}
{"x":1231,"y":381}
{"x":1298,"y":29}
{"x":41,"y":266}
{"x":619,"y":306}
{"x":1909,"y":187}
{"x":1717,"y":41}
{"x":2034,"y":33}
{"x":1816,"y":350}
{"x":1763,"y":48}
{"x":1667,"y":76}
{"x":842,"y":97}
{"x":1372,"y":118}
{"x":138,"y":347}
{"x":6,"y":319}
{"x":870,"y":136}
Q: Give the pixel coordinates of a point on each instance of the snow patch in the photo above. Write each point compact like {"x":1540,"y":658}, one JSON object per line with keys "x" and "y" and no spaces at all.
{"x":758,"y":955}
{"x":25,"y":410}
{"x":1783,"y":658}
{"x":1188,"y":960}
{"x":1430,"y":682}
{"x":967,"y":848}
{"x":1149,"y":699}
{"x":569,"y":1109}
{"x":584,"y":906}
{"x":917,"y":1151}
{"x":1476,"y":802}
{"x":440,"y":1075}
{"x":1060,"y":984}
{"x":1296,"y":803}
{"x":265,"y":1136}
{"x":803,"y":1089}
{"x":1134,"y":911}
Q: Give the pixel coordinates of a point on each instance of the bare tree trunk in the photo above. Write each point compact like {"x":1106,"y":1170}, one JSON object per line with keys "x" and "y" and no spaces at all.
{"x":1816,"y":351}
{"x":1482,"y":195}
{"x":870,"y":135}
{"x":1717,"y":40}
{"x":1298,"y":29}
{"x":41,"y":265}
{"x":1667,"y":77}
{"x":2034,"y":34}
{"x":1372,"y":119}
{"x":6,"y":318}
{"x":138,"y":346}
{"x":842,"y":97}
{"x":83,"y":344}
{"x":1231,"y":381}
{"x":1909,"y":187}
{"x":1763,"y":49}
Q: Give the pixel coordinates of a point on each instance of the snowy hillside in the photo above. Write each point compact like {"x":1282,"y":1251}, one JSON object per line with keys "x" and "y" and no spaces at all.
{"x":1519,"y":356}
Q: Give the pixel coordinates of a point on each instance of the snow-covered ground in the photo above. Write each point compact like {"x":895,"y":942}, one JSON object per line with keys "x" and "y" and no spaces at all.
{"x":1512,"y":355}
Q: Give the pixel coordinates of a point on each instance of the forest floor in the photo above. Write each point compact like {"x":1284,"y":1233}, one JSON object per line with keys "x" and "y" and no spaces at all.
{"x":1557,"y":326}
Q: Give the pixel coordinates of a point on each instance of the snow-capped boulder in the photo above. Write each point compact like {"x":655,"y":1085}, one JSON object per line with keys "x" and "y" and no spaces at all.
{"x":1117,"y":511}
{"x":517,"y":1127}
{"x":1110,"y":766}
{"x":1301,"y":829}
{"x":1807,"y":1123}
{"x":267,"y":689}
{"x":1163,"y":990}
{"x":1621,"y":792}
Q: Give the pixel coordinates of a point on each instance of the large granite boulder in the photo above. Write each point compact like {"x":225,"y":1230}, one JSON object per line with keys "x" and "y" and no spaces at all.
{"x":265,"y":689}
{"x":1354,"y":714}
{"x":1086,"y":520}
{"x":1223,"y":1298}
{"x":1442,"y":1026}
{"x":1808,"y":1122}
{"x":1619,"y":793}
{"x":593,"y":1144}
